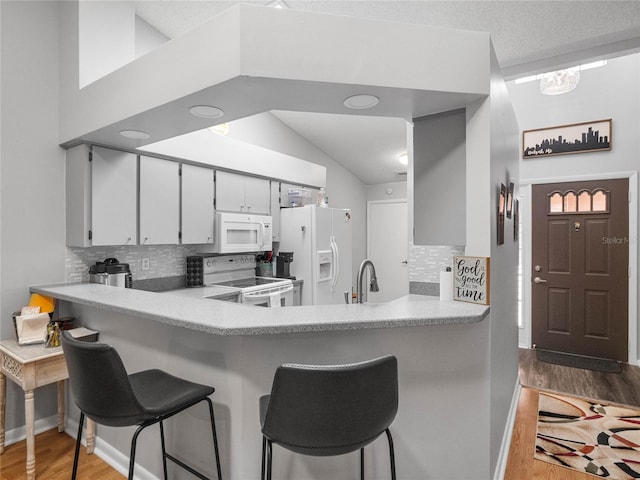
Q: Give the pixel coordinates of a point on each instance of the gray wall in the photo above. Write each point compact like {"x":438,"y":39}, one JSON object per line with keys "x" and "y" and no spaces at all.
{"x":32,"y":247}
{"x":439,"y":176}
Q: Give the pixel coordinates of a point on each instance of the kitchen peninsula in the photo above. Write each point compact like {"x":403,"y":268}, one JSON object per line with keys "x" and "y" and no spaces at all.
{"x":442,"y":350}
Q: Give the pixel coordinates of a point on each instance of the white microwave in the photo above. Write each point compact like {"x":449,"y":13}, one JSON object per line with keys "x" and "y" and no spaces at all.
{"x":241,"y":232}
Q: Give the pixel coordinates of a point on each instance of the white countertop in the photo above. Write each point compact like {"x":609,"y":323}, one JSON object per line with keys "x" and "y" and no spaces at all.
{"x":216,"y":317}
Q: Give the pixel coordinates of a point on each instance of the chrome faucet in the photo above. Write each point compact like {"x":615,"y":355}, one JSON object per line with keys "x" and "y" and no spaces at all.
{"x":373,"y":284}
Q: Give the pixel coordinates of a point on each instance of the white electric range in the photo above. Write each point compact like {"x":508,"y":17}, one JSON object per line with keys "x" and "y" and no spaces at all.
{"x":238,"y":273}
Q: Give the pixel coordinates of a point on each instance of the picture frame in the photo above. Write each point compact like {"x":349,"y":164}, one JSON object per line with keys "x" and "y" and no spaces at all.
{"x":502,"y":200}
{"x":510,"y":199}
{"x":516,"y":219}
{"x":472,"y":279}
{"x":567,"y":139}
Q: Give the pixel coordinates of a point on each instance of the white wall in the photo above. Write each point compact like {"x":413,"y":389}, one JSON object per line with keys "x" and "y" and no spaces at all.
{"x":32,"y":172}
{"x":107,"y":38}
{"x":612,"y":92}
{"x":386,"y":191}
{"x":504,"y":262}
{"x":147,"y":37}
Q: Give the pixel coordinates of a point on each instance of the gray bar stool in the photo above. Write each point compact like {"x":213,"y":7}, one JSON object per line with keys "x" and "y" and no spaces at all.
{"x":326,"y":410}
{"x":104,"y":392}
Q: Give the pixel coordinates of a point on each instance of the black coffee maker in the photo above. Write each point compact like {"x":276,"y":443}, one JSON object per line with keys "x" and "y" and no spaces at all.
{"x":283,"y":260}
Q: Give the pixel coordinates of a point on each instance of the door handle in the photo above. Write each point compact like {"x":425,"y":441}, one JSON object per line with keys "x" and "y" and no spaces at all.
{"x":404,"y":262}
{"x":539,"y":280}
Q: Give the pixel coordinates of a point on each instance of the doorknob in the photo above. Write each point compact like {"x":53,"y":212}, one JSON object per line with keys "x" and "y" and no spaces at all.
{"x":404,"y":262}
{"x":539,"y":280}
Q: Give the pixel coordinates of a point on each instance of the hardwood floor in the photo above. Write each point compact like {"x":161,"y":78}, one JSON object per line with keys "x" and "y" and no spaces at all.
{"x":623,"y":388}
{"x":54,"y":460}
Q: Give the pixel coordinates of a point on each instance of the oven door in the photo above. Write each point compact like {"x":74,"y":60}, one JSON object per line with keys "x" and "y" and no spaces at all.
{"x":239,"y":233}
{"x":274,"y":297}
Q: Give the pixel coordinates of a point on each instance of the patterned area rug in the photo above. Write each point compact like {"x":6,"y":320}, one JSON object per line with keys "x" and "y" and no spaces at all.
{"x":602,"y":440}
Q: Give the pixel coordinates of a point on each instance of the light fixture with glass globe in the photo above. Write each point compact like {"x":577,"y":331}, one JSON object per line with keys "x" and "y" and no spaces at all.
{"x":560,"y":81}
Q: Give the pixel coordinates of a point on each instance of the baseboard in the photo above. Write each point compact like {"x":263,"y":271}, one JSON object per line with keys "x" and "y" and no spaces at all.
{"x":110,"y":455}
{"x":42,"y":425}
{"x":501,"y":465}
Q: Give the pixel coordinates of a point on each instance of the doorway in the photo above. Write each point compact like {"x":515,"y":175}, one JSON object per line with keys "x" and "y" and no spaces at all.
{"x":580,"y":265}
{"x":387,"y":248}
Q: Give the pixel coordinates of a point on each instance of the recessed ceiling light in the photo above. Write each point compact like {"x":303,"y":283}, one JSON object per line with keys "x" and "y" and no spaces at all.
{"x":277,"y":4}
{"x":220,"y":129}
{"x":206,"y":111}
{"x":135,"y":134}
{"x":362,"y":101}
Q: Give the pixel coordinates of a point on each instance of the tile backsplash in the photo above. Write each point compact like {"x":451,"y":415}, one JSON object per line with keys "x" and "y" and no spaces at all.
{"x":164,"y":260}
{"x":425,"y":264}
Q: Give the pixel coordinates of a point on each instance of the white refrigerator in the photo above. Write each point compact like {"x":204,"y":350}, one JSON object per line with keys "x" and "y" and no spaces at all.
{"x":320,"y":239}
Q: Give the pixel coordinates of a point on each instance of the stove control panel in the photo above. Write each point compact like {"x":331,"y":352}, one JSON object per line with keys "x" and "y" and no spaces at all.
{"x":200,"y":265}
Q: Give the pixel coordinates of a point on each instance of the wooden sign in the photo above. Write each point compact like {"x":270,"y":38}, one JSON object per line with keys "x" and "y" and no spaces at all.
{"x":471,"y":279}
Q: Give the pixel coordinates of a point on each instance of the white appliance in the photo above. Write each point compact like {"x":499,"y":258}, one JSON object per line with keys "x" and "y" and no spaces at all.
{"x":320,"y":239}
{"x":237,"y":273}
{"x":241,"y":233}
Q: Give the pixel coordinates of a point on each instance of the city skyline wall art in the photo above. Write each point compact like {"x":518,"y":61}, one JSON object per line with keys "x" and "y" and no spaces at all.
{"x":565,"y":139}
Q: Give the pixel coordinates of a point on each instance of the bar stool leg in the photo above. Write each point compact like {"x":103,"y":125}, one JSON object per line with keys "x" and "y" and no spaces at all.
{"x":362,"y":463}
{"x":164,"y":450}
{"x":215,"y":438}
{"x":132,"y":456}
{"x":392,"y":456}
{"x":264,"y":448}
{"x":78,"y":441}
{"x":269,"y":459}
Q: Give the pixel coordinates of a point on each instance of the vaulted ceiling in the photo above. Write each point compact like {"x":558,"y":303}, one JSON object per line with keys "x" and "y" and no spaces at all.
{"x":528,"y":36}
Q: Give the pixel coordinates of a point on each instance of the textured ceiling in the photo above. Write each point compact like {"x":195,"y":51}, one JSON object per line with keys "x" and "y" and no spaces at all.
{"x":527,"y":36}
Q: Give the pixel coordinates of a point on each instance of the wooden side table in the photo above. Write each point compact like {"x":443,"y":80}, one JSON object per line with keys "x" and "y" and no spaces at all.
{"x":32,"y":366}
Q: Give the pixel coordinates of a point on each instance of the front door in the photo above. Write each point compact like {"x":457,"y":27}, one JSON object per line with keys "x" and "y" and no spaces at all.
{"x":580,"y":255}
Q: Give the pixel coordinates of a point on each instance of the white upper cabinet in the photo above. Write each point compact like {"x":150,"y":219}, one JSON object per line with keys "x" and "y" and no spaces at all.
{"x":159,"y":201}
{"x":101,"y":197}
{"x":197,"y":204}
{"x":242,"y":193}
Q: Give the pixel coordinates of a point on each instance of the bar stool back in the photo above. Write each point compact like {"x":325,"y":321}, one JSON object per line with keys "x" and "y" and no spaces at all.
{"x":104,"y":392}
{"x":326,"y":410}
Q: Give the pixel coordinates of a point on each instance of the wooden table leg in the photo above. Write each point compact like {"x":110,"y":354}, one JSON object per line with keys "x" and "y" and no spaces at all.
{"x":29,"y":417}
{"x":61,"y":406}
{"x":91,"y":436}
{"x":3,"y":394}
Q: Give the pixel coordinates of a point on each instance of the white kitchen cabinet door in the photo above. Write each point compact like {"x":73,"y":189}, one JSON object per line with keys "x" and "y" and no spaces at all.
{"x":197,"y":204}
{"x":229,"y":192}
{"x":257,"y":195}
{"x":159,"y":201}
{"x":113,"y":197}
{"x":242,"y":193}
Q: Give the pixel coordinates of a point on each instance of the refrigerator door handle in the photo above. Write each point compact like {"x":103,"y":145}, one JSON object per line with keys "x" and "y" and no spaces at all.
{"x":336,"y":267}
{"x":332,"y":244}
